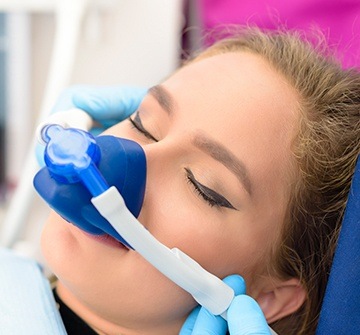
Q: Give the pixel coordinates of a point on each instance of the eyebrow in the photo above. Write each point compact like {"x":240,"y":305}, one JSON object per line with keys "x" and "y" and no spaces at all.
{"x":163,"y":97}
{"x":223,"y":155}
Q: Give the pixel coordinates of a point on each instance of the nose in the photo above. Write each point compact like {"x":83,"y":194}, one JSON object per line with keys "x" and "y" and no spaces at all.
{"x":163,"y":160}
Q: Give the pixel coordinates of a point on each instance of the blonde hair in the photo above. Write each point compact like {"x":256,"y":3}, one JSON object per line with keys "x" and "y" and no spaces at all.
{"x":326,"y":149}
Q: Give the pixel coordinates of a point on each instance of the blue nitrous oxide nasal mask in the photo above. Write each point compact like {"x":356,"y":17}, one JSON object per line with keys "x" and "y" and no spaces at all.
{"x":80,"y":167}
{"x":98,"y":184}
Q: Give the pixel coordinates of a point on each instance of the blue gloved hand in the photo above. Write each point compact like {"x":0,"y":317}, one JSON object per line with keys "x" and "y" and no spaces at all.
{"x":244,"y":316}
{"x":107,"y":105}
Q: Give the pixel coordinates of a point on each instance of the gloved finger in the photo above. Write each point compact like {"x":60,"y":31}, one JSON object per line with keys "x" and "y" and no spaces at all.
{"x":245,"y":317}
{"x":189,"y":323}
{"x":209,"y":324}
{"x":237,"y":283}
{"x":202,"y":322}
{"x":109,"y":102}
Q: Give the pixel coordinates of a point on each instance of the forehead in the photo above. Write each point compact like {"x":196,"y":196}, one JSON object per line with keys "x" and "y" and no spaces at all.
{"x":244,"y":103}
{"x":240,"y":86}
{"x":235,"y":80}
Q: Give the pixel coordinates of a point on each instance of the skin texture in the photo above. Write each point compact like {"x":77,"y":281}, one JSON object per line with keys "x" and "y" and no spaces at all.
{"x":239,"y":101}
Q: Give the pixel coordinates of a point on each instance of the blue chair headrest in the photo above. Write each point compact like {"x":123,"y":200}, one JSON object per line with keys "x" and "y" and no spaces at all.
{"x":340,"y":312}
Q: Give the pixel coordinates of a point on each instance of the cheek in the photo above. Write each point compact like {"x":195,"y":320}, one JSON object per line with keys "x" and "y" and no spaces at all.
{"x":56,"y":242}
{"x":211,"y":238}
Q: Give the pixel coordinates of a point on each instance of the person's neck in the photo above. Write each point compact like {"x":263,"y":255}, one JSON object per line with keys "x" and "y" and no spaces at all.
{"x":105,"y":327}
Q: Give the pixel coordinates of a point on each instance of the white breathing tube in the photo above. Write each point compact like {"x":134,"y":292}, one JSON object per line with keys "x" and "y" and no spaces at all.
{"x":208,"y":290}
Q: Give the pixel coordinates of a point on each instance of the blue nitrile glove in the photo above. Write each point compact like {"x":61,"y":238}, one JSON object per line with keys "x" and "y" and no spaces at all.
{"x":244,"y":316}
{"x":106,"y":104}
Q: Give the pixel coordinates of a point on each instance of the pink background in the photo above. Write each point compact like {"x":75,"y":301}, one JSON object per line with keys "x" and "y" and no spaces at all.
{"x":339,"y":20}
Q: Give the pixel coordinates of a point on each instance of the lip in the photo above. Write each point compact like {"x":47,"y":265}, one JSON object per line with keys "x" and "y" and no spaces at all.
{"x":106,"y":239}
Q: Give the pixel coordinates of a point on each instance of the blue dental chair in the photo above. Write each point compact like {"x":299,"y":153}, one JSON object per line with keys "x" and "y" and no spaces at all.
{"x":27,"y":305}
{"x":340,"y":312}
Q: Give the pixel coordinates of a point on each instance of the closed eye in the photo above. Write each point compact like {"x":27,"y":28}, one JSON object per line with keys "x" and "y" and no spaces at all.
{"x":137,"y":124}
{"x":210,"y":196}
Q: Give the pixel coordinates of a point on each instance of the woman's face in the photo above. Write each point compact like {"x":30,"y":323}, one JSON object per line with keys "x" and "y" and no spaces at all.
{"x":217,"y":137}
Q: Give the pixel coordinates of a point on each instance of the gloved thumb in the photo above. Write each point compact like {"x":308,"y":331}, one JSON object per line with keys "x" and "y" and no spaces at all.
{"x":245,"y":317}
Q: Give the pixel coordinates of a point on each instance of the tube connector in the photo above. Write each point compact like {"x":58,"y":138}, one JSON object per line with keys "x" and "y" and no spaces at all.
{"x":72,"y":155}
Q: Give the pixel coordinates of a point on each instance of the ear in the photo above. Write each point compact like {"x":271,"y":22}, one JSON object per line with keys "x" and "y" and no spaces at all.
{"x":281,"y":298}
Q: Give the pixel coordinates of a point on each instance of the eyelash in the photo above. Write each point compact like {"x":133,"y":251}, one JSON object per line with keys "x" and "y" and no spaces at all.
{"x":136,"y":124}
{"x":220,"y":202}
{"x":211,"y":202}
{"x":198,"y":188}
